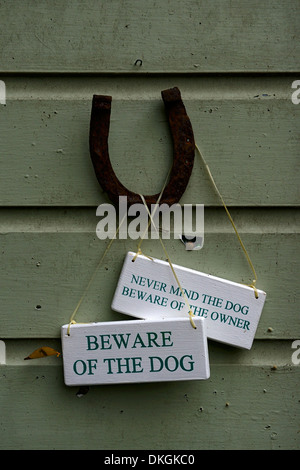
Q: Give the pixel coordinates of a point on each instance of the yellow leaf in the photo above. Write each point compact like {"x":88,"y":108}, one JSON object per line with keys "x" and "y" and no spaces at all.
{"x":42,"y":352}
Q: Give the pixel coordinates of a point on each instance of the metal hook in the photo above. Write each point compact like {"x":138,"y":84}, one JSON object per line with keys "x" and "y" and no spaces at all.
{"x":183,"y":156}
{"x":138,"y":61}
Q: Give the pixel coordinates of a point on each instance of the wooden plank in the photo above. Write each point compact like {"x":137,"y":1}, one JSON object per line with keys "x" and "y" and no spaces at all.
{"x":274,"y":352}
{"x":134,"y":351}
{"x":182,"y":36}
{"x":148,"y":289}
{"x":39,"y":412}
{"x":249,"y":220}
{"x":246,"y":126}
{"x":249,"y":141}
{"x":43,"y":276}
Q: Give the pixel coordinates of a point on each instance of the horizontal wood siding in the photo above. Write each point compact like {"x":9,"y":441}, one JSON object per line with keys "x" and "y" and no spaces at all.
{"x":248,"y":136}
{"x":186,"y":36}
{"x":234,"y":63}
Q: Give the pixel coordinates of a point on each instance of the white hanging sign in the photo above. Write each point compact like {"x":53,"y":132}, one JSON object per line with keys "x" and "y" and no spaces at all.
{"x":134,"y":351}
{"x":147,"y":289}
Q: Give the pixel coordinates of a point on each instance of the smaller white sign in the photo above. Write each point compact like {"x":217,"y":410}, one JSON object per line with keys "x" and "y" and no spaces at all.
{"x":148,"y":289}
{"x":135,"y":351}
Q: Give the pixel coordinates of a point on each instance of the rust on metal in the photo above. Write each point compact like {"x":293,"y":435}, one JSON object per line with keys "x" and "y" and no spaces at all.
{"x":183,"y":155}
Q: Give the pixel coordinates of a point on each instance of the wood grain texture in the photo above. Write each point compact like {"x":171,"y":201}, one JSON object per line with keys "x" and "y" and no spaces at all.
{"x":234,"y":63}
{"x":239,"y":407}
{"x":43,"y":276}
{"x":246,"y":130}
{"x":179,"y":36}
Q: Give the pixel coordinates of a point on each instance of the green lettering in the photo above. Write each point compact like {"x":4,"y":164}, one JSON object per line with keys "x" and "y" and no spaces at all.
{"x":141,"y":294}
{"x":125,"y":365}
{"x":105,"y":341}
{"x":91,"y":365}
{"x":109,"y":361}
{"x":138,"y":340}
{"x":92,"y":341}
{"x":240,"y":323}
{"x":174,"y":363}
{"x":166,"y":338}
{"x":163,"y":286}
{"x":134,"y":279}
{"x":136,"y":363}
{"x":79,"y":370}
{"x":159,"y":364}
{"x":149,"y":298}
{"x":175,"y":292}
{"x":120,"y":340}
{"x":224,"y":318}
{"x":190,"y":364}
{"x":132,"y":293}
{"x":152,"y":337}
{"x":125,"y":290}
{"x":150,"y":282}
{"x":232,"y":321}
{"x":157,"y":300}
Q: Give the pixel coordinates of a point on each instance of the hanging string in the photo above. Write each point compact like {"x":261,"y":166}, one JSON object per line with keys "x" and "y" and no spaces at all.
{"x":191,"y":315}
{"x":253,"y":285}
{"x":72,"y":321}
{"x":72,"y":318}
{"x":151,"y":215}
{"x":139,"y":251}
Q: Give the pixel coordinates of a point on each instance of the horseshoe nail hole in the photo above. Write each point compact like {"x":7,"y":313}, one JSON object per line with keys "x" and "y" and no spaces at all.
{"x":38,"y":307}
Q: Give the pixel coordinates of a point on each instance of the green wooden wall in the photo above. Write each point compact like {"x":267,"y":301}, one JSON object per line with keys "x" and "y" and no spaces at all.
{"x":234,"y":62}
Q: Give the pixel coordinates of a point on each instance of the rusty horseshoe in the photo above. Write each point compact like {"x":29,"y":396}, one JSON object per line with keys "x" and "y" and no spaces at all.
{"x":183,"y":154}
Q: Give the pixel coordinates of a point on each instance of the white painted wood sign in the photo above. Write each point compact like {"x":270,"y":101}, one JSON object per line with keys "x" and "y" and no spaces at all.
{"x":147,"y":289}
{"x":135,"y":351}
